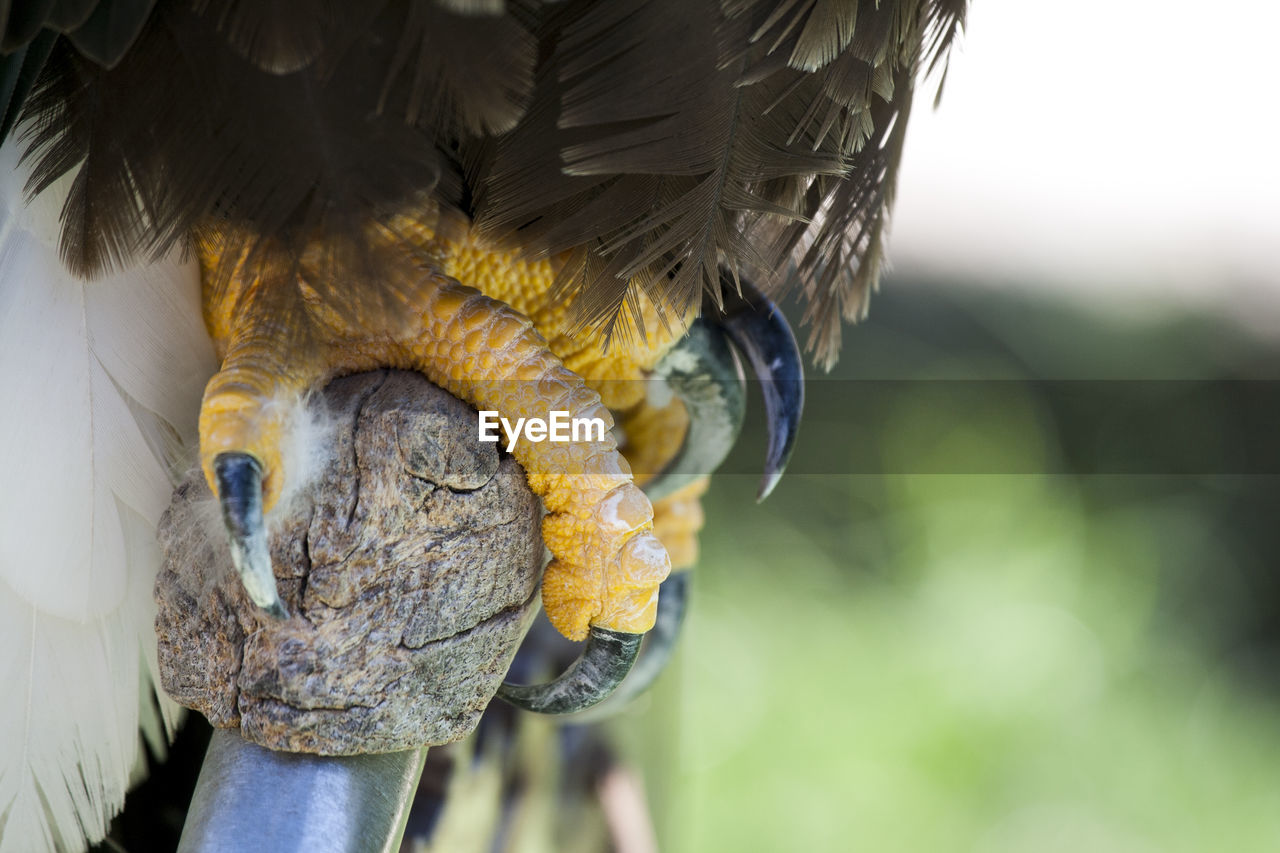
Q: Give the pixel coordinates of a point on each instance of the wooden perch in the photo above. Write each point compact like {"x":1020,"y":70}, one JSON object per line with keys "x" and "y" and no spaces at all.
{"x":409,"y":567}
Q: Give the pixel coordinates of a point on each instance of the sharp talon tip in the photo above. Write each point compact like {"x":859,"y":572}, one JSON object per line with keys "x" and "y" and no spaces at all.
{"x":768,"y":484}
{"x":239,"y":477}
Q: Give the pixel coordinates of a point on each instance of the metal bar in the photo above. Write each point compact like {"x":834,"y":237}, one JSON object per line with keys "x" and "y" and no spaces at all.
{"x":253,"y":799}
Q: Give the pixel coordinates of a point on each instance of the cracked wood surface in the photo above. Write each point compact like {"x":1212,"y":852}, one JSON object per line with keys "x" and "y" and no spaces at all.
{"x":409,"y":567}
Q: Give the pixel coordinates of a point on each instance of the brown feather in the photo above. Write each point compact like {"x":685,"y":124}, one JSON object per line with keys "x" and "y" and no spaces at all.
{"x":653,"y":142}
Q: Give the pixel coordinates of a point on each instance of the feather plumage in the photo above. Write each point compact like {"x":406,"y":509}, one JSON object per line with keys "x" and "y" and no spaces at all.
{"x":98,"y":379}
{"x":652,"y":141}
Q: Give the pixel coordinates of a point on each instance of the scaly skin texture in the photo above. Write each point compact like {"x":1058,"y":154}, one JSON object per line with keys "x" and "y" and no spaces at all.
{"x":278,"y":340}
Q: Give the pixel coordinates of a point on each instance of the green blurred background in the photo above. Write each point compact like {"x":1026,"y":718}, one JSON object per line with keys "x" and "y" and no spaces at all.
{"x":902,"y":660}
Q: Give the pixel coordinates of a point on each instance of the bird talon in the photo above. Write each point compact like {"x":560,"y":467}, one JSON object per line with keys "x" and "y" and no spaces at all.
{"x":704,"y":374}
{"x":655,"y":653}
{"x":759,"y":329}
{"x":607,"y":564}
{"x":603,"y":664}
{"x":239,"y":480}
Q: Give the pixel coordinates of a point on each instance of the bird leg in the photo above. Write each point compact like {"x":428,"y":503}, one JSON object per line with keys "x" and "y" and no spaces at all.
{"x":284,"y":328}
{"x":279,"y":340}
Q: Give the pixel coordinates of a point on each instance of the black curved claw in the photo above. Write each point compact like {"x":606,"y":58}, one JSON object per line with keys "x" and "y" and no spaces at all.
{"x":760,"y":330}
{"x":705,"y":374}
{"x":239,"y":478}
{"x":659,"y":644}
{"x":600,"y":668}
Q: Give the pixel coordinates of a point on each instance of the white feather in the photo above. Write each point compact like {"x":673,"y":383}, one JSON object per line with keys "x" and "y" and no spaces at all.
{"x":97,"y":380}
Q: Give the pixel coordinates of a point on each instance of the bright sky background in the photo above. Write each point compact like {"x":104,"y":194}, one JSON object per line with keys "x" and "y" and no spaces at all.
{"x":1126,"y":148}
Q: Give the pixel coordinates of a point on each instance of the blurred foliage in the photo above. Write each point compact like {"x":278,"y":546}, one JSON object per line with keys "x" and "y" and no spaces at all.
{"x":1031,"y":662}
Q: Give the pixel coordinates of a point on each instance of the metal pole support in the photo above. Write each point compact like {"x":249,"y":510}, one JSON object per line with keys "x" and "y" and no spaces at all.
{"x":253,"y":799}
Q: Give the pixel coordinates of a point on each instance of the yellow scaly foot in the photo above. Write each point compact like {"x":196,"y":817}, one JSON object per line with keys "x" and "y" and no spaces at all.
{"x":284,"y":328}
{"x":278,"y":341}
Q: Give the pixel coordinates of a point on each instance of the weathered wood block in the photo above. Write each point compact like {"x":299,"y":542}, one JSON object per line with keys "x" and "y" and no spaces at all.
{"x":409,"y":567}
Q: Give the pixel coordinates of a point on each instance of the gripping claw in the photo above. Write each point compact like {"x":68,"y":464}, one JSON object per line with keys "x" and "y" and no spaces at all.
{"x":239,"y":477}
{"x":659,"y":645}
{"x":760,"y":330}
{"x":600,"y":668}
{"x":703,"y":372}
